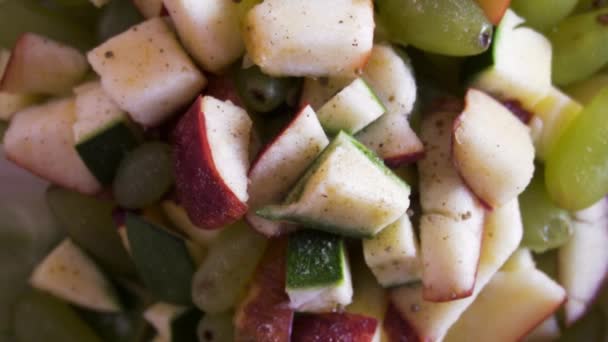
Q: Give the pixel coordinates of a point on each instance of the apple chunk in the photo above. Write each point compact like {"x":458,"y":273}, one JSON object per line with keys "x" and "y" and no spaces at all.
{"x":39,"y":65}
{"x":509,"y":307}
{"x":583,"y":262}
{"x":146,"y":72}
{"x":492,"y":149}
{"x":452,"y":221}
{"x":149,"y":8}
{"x":430,"y":321}
{"x":209,"y":29}
{"x":279,"y":36}
{"x":211,"y":160}
{"x":279,"y":166}
{"x":333,"y":327}
{"x":40,"y":139}
{"x":266,"y":303}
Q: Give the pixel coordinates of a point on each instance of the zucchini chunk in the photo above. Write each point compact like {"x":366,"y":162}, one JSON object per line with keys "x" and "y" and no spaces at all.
{"x":347,"y":191}
{"x":318,"y":274}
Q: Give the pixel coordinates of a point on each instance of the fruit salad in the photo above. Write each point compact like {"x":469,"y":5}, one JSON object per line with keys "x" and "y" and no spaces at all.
{"x":303,"y":170}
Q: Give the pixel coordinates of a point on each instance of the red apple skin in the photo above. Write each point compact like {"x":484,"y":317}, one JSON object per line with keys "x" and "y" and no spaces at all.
{"x":494,"y":9}
{"x":396,"y":328}
{"x":223,"y":88}
{"x":285,"y":227}
{"x":333,"y":327}
{"x":264,"y":314}
{"x":410,"y":158}
{"x":208,"y":200}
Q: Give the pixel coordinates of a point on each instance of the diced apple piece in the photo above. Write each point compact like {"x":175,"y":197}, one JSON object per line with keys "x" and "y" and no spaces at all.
{"x":391,"y":75}
{"x":146,"y":71}
{"x":552,"y":115}
{"x":492,"y":150}
{"x":521,"y":68}
{"x":211,"y":161}
{"x":441,"y":187}
{"x":510,"y":306}
{"x":149,"y":8}
{"x":39,"y":65}
{"x":279,"y":166}
{"x":583,"y":264}
{"x":494,"y":9}
{"x":40,"y":139}
{"x":209,"y":29}
{"x":266,"y":303}
{"x":333,"y":327}
{"x":392,"y":138}
{"x":280,"y":36}
{"x":392,"y":255}
{"x":10,"y":103}
{"x":430,"y":321}
{"x":452,"y":221}
{"x":450,"y":255}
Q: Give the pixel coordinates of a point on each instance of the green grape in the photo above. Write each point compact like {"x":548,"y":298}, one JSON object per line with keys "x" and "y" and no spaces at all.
{"x":579,"y":46}
{"x":584,"y":91}
{"x":447,"y":27}
{"x":576,"y":172}
{"x":88,"y":221}
{"x":228,"y":267}
{"x":543,"y":14}
{"x":260,"y":92}
{"x":19,"y":16}
{"x":546,"y":226}
{"x":116,"y":17}
{"x":144,"y":176}
{"x":40,"y":317}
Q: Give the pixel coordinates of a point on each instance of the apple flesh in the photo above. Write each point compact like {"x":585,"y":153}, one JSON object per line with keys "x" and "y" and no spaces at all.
{"x":492,"y":150}
{"x":288,"y":155}
{"x":266,"y":303}
{"x":146,"y":72}
{"x":509,"y":307}
{"x":39,"y":65}
{"x":279,"y":35}
{"x":430,"y":321}
{"x":209,"y":30}
{"x":333,"y":327}
{"x":452,"y":219}
{"x":583,"y":262}
{"x":40,"y":139}
{"x":211,"y":160}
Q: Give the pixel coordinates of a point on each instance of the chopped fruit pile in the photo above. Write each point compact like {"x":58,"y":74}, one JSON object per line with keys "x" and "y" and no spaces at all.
{"x":303,"y":170}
